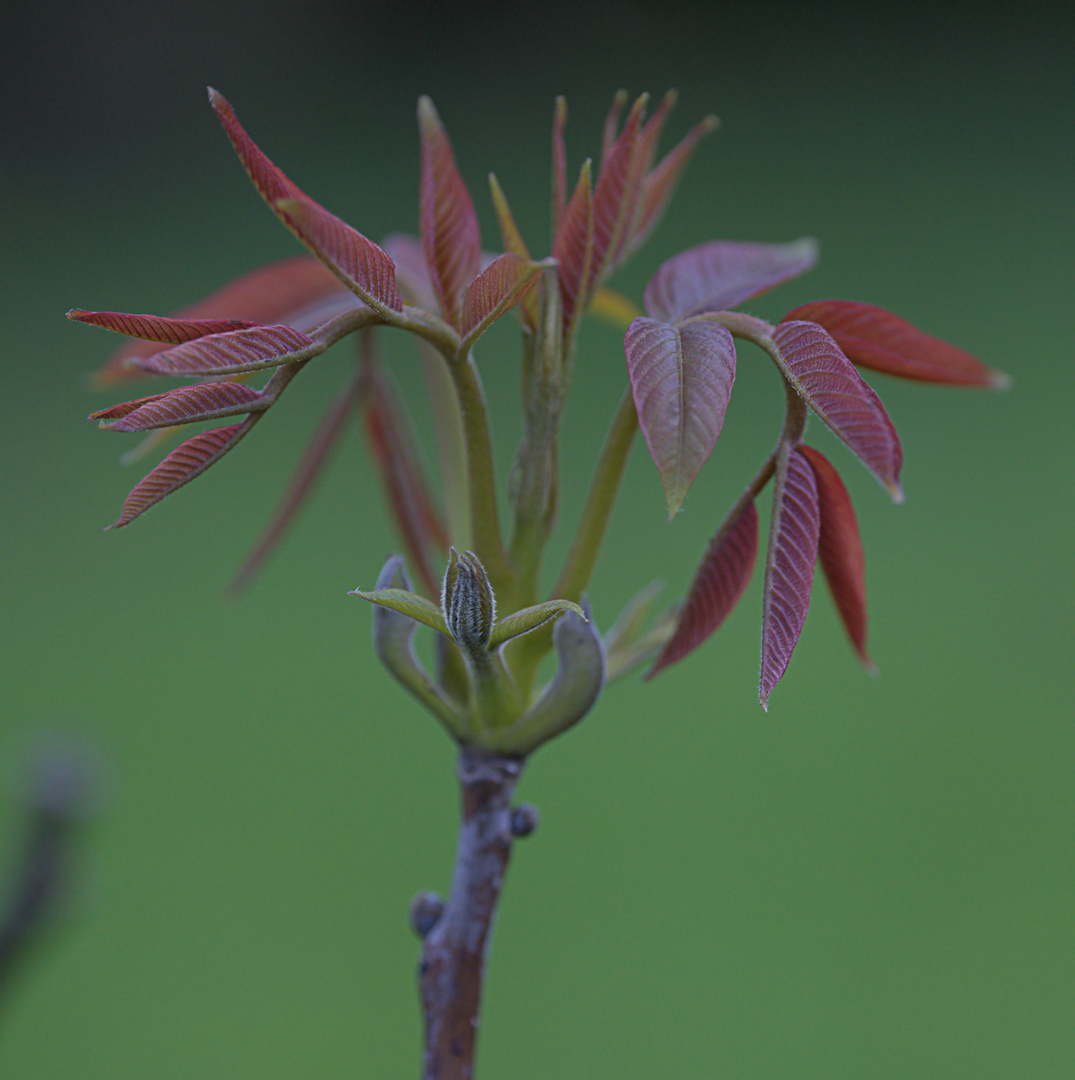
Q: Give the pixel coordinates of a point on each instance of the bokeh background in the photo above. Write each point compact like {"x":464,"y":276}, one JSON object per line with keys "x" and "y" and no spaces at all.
{"x":875,"y":879}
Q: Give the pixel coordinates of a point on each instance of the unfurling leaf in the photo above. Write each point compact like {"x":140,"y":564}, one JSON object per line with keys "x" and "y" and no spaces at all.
{"x":718,"y":584}
{"x":208,"y":401}
{"x":183,"y":464}
{"x":840,"y":551}
{"x":573,"y":247}
{"x":876,"y":339}
{"x":412,"y":604}
{"x":529,"y":618}
{"x":357,"y":261}
{"x":681,"y":379}
{"x":234,"y":352}
{"x":160,"y":328}
{"x":514,"y":243}
{"x":721,"y":274}
{"x":814,"y":365}
{"x":789,"y":568}
{"x":468,"y":602}
{"x":498,"y":288}
{"x":450,"y":236}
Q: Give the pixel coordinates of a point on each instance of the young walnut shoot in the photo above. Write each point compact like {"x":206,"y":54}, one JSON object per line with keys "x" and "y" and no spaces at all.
{"x":475,"y":588}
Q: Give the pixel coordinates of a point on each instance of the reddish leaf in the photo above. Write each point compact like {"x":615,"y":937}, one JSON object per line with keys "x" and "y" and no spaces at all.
{"x":813,"y":363}
{"x":357,"y":261}
{"x":171,"y":331}
{"x":183,"y":464}
{"x":681,"y":379}
{"x":288,"y":291}
{"x":650,"y":135}
{"x":789,"y":568}
{"x":238,"y":350}
{"x":496,"y":290}
{"x":411,"y":272}
{"x":719,"y":582}
{"x":840,"y":551}
{"x":450,"y":236}
{"x":559,"y":165}
{"x":573,"y":248}
{"x":876,"y":339}
{"x":207,"y":401}
{"x":721,"y":274}
{"x":514,"y":242}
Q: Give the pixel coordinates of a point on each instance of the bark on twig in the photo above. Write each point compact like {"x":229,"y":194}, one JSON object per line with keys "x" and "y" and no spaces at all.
{"x":453,"y":956}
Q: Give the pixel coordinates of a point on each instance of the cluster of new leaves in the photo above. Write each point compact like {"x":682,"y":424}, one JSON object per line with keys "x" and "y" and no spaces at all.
{"x":442,"y":287}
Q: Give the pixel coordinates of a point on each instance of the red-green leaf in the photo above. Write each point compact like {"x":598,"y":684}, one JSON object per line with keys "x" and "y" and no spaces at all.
{"x":357,"y":261}
{"x":235,"y":351}
{"x":207,"y":401}
{"x":450,"y":236}
{"x":160,"y":328}
{"x":789,"y":568}
{"x":559,"y":165}
{"x":721,"y":274}
{"x":183,"y":464}
{"x":573,"y":248}
{"x":876,"y":339}
{"x":498,"y":288}
{"x":718,"y":584}
{"x":681,"y":379}
{"x":813,"y":363}
{"x":411,"y":271}
{"x":840,"y":551}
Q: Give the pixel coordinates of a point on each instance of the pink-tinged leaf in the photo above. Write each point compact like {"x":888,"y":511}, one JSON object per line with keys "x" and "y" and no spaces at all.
{"x":411,"y":272}
{"x":450,"y":236}
{"x":514,"y":243}
{"x":718,"y":584}
{"x":310,"y":467}
{"x":876,"y":339}
{"x":650,"y":135}
{"x":840,"y":551}
{"x":358,"y":262}
{"x":494,"y":291}
{"x":559,"y":165}
{"x":660,"y":184}
{"x":681,"y":380}
{"x":573,"y":248}
{"x":789,"y":568}
{"x":183,"y":464}
{"x":363,"y":266}
{"x":207,"y":401}
{"x":395,"y":451}
{"x":721,"y":274}
{"x":612,"y":121}
{"x":286,"y":291}
{"x":814,"y":365}
{"x":160,"y":328}
{"x":617,"y":197}
{"x":236,"y":351}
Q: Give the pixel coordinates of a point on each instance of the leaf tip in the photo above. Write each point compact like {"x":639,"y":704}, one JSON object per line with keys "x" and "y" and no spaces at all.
{"x":998,"y":380}
{"x":895,"y":490}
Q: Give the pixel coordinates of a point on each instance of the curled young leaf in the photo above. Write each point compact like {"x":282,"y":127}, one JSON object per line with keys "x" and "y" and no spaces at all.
{"x":719,"y":582}
{"x":816,"y":367}
{"x":874,"y":338}
{"x":207,"y":401}
{"x":573,"y":247}
{"x":840,"y":551}
{"x":234,"y":352}
{"x":789,"y":567}
{"x":187,"y":461}
{"x":497,"y":289}
{"x":681,"y":379}
{"x":450,"y":236}
{"x":721,"y":274}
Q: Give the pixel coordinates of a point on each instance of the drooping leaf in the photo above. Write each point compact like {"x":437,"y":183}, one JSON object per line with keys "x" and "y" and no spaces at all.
{"x":496,"y":290}
{"x":183,"y":464}
{"x":789,"y":567}
{"x":235,"y":351}
{"x":719,"y":582}
{"x":840,"y":551}
{"x":661,"y":182}
{"x":813,"y":363}
{"x":681,"y":379}
{"x":411,"y":604}
{"x":721,"y":274}
{"x":290,"y":291}
{"x":160,"y":328}
{"x":876,"y":339}
{"x":310,"y":467}
{"x":207,"y":401}
{"x":529,"y":618}
{"x":450,"y":236}
{"x":357,"y":261}
{"x":573,"y":247}
{"x":559,"y":165}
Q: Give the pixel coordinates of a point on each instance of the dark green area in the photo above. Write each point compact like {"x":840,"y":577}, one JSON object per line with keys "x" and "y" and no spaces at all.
{"x":873,"y":880}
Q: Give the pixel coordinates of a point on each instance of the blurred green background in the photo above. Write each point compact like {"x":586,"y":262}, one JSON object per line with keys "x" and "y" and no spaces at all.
{"x":873,"y":880}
